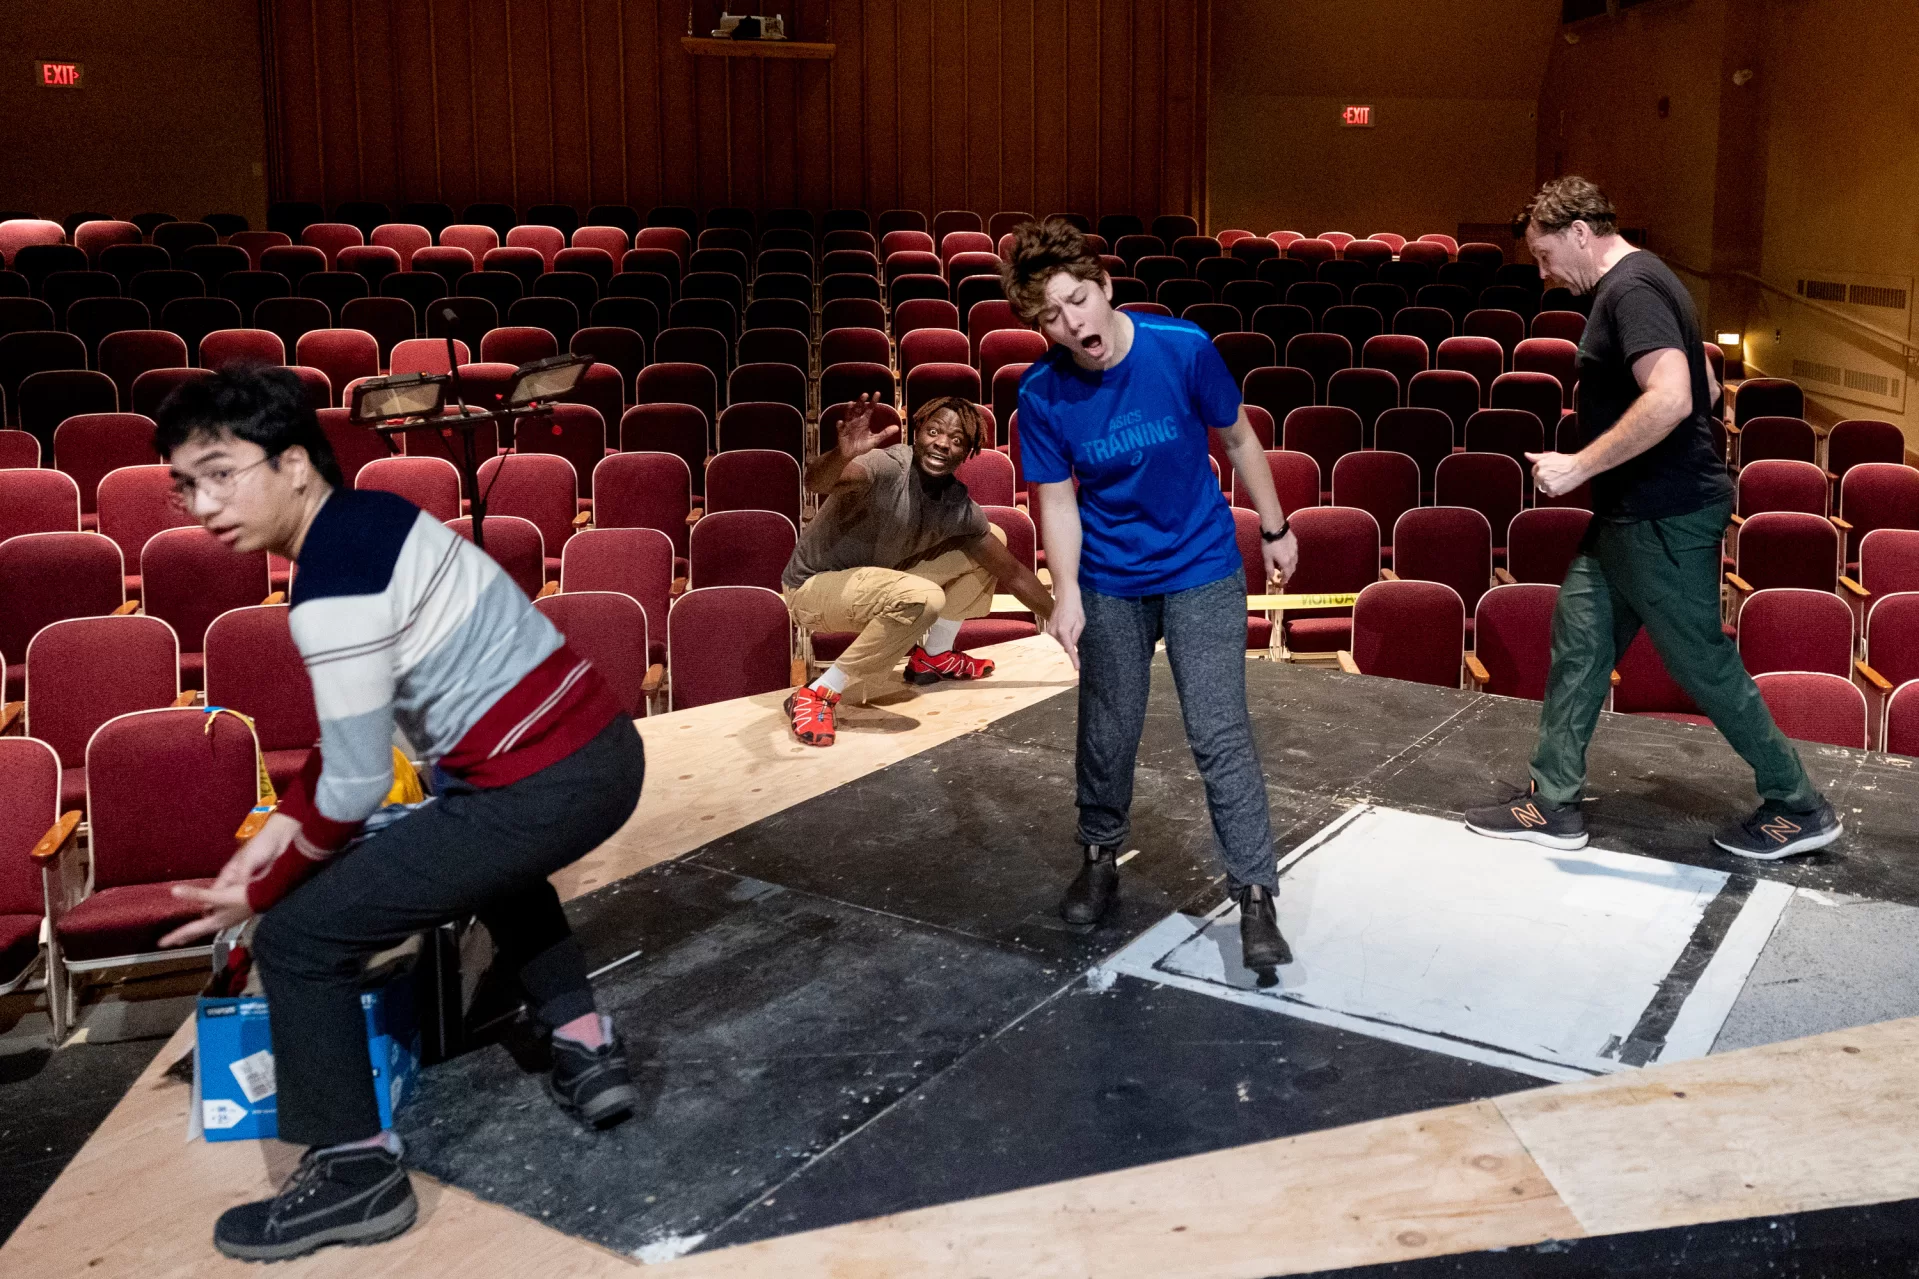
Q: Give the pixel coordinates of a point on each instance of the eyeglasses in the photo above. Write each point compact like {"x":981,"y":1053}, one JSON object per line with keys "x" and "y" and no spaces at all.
{"x":217,"y":484}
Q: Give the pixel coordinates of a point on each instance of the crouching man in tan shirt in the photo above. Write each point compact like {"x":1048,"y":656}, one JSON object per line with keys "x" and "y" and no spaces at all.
{"x":902,"y":554}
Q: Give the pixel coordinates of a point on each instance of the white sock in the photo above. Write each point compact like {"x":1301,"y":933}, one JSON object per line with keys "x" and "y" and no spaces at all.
{"x":940,"y":638}
{"x":386,"y":1139}
{"x":832,"y":680}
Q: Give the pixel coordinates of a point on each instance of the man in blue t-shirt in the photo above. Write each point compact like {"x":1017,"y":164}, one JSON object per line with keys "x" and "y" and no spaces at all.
{"x":1112,"y":432}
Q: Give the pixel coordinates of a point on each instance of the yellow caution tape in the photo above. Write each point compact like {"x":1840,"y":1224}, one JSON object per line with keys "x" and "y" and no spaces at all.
{"x":1254,"y":603}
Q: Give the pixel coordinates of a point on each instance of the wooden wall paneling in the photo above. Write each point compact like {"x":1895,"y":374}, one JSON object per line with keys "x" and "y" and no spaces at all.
{"x":985,"y":135}
{"x":1202,"y":63}
{"x":846,"y":109}
{"x":913,"y":78}
{"x":1176,"y":182}
{"x":978,"y":104}
{"x":1113,"y":161}
{"x":1015,"y":89}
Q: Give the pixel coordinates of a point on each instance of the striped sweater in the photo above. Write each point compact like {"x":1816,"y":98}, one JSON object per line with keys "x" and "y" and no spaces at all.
{"x":404,"y":623}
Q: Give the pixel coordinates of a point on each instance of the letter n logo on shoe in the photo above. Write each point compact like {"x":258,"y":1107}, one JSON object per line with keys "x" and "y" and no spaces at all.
{"x":1779,"y":829}
{"x":1529,"y":816}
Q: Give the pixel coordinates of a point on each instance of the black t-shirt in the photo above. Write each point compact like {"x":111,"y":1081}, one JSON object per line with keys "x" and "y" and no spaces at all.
{"x":1639,"y":307}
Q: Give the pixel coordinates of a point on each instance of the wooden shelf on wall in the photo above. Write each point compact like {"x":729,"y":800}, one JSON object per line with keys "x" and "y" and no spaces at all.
{"x":712,"y":47}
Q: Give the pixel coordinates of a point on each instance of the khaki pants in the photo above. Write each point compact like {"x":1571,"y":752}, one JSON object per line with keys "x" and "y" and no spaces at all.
{"x":891,"y":608}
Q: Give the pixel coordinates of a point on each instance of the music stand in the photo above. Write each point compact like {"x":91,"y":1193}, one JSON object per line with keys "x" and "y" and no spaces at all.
{"x":416,"y":401}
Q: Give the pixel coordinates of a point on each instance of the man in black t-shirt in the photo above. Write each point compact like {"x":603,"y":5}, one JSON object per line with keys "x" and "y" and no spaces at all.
{"x":1661,"y":502}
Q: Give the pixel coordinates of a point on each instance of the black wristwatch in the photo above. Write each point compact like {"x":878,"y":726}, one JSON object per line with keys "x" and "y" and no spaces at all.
{"x":1285,"y":527}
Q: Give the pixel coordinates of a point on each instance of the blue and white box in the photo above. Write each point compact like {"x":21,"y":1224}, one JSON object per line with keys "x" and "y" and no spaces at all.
{"x":234,"y":1093}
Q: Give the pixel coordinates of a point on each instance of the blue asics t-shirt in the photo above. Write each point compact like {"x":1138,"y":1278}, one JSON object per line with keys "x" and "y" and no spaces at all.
{"x":1153,"y":518}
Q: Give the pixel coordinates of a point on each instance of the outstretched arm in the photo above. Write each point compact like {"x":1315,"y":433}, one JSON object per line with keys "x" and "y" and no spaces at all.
{"x":991,"y":554}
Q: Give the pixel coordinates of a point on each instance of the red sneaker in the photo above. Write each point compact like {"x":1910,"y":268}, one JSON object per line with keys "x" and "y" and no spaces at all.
{"x":923,"y":667}
{"x":812,"y":714}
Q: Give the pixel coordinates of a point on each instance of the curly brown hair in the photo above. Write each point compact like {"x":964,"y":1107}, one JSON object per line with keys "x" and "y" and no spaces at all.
{"x":1564,"y":201}
{"x":1040,"y":251}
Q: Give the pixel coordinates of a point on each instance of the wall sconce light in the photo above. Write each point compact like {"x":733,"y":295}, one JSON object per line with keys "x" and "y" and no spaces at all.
{"x":1728,"y":339}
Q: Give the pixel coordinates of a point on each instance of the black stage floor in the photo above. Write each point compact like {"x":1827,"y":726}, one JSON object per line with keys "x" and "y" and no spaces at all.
{"x":865,"y":1004}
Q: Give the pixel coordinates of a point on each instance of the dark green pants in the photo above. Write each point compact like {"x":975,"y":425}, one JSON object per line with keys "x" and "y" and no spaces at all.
{"x":1663,"y":575}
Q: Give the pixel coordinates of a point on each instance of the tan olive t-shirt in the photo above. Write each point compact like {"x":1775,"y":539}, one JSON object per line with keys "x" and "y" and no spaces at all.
{"x":888,"y":523}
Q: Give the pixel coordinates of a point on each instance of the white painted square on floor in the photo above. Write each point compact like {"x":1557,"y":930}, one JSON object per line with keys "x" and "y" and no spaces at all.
{"x":1560,"y":965}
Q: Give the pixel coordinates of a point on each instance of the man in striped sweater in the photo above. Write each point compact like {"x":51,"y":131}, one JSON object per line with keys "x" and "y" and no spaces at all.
{"x":404,"y":625}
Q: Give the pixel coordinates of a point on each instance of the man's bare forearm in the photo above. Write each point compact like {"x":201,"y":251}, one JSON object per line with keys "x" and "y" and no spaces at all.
{"x":1650,"y":419}
{"x":1249,"y":460}
{"x":824,"y":471}
{"x":1059,"y":530}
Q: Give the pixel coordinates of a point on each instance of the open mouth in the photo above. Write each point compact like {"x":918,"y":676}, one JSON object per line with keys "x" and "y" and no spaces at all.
{"x":1092,"y":344}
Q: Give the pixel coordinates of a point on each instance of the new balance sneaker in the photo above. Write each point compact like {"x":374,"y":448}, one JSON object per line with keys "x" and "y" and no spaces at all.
{"x":923,"y":667}
{"x":1261,"y":947}
{"x":592,"y":1084}
{"x":1774,"y":831}
{"x":354,"y":1196}
{"x":1094,"y":890}
{"x":811,"y":712}
{"x":1523,"y":815}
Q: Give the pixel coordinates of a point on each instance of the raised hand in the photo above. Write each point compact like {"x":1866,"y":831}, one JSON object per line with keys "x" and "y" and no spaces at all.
{"x":857,"y":435}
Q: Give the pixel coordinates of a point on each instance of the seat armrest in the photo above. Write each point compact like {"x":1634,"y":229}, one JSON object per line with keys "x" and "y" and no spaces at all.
{"x":1840,"y":524}
{"x":678,"y":588}
{"x":1734,"y":430}
{"x":1346,"y":662}
{"x":187,"y":698}
{"x":1504,"y":578}
{"x":655,"y":678}
{"x":693,"y":516}
{"x":10,"y":716}
{"x":1477,"y":669}
{"x":1879,"y":682}
{"x":1615,"y":679}
{"x":277,"y":597}
{"x":551,"y":588}
{"x":582,"y":518}
{"x":127,"y":609}
{"x":1832,"y":477}
{"x":1739,"y":583}
{"x":1387,"y":575}
{"x":1854,"y":587}
{"x":796,"y":672}
{"x":61,"y":836}
{"x":1737,"y":519}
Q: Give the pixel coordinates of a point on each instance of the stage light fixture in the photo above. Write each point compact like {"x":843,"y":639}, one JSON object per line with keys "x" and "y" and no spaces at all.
{"x":381,"y":399}
{"x":545,"y":379}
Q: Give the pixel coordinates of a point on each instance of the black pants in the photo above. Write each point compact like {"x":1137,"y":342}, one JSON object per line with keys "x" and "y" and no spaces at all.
{"x":469,"y":852}
{"x":1205,"y":633}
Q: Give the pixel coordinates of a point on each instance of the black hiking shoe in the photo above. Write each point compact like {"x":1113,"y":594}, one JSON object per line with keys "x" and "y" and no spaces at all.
{"x":1774,"y":831}
{"x":347,"y":1196}
{"x":1094,"y":890}
{"x":1261,"y":947}
{"x":1523,"y":815}
{"x":591,"y":1084}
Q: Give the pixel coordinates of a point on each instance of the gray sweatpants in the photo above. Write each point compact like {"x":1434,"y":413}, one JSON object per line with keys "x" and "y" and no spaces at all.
{"x":1205,"y":632}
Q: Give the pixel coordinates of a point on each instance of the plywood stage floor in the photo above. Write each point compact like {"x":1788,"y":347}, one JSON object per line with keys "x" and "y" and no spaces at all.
{"x":868,"y":1046}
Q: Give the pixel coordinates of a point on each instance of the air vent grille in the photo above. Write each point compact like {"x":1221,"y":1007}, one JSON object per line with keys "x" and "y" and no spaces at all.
{"x":1807,"y":370}
{"x":1876,"y":295}
{"x":1872,"y":383}
{"x":1823,"y":290}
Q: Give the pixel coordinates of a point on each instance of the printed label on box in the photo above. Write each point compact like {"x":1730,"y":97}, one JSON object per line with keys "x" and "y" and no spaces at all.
{"x":254,"y":1074}
{"x":218,"y":1113}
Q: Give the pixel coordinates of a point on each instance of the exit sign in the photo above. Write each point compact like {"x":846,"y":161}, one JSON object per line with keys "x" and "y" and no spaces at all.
{"x":58,"y":75}
{"x":1356,"y":117}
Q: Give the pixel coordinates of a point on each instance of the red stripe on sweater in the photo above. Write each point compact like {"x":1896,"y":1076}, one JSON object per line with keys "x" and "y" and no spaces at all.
{"x":556,"y":708}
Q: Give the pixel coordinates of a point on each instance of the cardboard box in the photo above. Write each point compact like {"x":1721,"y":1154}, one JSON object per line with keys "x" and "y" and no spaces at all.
{"x":234,"y":1097}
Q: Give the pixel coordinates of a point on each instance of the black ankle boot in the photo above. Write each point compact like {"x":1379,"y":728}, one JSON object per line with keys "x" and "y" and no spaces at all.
{"x":1262,"y":949}
{"x":1094,"y":890}
{"x":353,"y":1196}
{"x":592,"y":1084}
